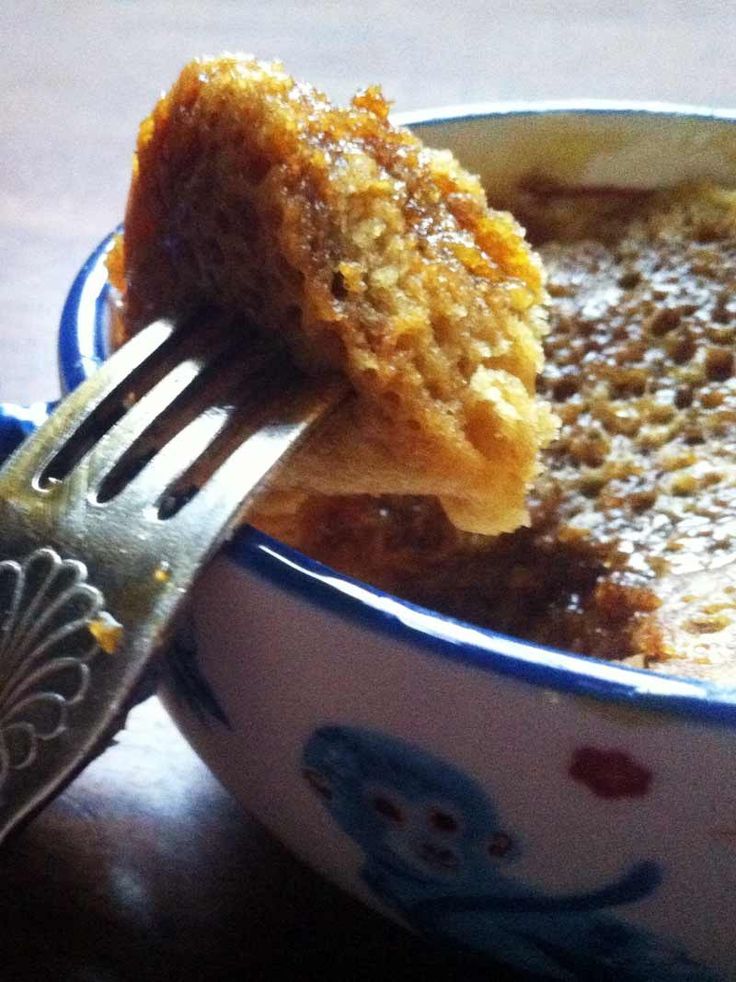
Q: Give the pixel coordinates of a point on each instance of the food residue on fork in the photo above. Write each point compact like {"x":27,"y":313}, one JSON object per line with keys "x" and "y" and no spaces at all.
{"x":107,"y":632}
{"x":162,"y":573}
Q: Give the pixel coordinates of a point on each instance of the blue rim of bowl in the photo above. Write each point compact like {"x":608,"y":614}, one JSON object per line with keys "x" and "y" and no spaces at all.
{"x":82,"y":344}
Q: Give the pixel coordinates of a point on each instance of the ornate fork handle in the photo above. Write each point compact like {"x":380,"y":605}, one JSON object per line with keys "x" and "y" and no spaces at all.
{"x":106,"y":516}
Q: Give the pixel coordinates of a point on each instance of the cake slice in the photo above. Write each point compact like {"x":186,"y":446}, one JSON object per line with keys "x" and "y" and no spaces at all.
{"x":362,"y":252}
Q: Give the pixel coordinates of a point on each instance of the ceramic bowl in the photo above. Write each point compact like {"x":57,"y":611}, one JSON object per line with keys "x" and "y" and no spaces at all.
{"x":569,"y":818}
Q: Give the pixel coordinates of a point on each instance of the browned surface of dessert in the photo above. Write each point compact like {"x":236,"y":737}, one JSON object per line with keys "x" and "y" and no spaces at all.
{"x":367,"y":253}
{"x":631,"y":552}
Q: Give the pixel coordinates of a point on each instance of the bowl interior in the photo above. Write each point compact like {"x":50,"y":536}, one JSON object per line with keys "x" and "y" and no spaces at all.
{"x":641,"y":146}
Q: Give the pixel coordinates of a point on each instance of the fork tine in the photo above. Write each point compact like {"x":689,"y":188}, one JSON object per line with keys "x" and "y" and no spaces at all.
{"x":263,"y":448}
{"x":210,"y":382}
{"x":138,"y":419}
{"x":172,"y":460}
{"x":240,"y":389}
{"x":76,"y":409}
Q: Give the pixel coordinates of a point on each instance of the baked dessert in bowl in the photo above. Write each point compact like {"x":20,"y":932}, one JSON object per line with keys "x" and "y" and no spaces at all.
{"x":552,"y":812}
{"x":629,"y":552}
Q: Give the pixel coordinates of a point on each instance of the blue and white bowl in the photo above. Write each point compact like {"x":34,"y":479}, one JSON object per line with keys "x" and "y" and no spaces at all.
{"x":571,"y":818}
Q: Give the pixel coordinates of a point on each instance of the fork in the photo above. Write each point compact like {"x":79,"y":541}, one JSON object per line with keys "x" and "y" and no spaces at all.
{"x":107,"y":513}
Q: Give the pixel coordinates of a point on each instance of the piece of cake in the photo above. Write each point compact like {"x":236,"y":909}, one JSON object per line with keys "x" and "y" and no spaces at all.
{"x":365,"y":253}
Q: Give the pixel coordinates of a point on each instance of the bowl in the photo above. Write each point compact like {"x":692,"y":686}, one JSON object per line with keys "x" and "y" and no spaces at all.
{"x":567,"y":817}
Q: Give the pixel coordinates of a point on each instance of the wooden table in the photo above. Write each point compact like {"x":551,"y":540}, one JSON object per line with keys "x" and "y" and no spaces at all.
{"x":145,"y":869}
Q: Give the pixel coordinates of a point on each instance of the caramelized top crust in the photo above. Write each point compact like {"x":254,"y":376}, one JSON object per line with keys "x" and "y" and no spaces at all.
{"x":363,"y":252}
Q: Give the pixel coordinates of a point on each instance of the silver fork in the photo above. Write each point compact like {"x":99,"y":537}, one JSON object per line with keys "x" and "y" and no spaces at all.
{"x":107,"y":514}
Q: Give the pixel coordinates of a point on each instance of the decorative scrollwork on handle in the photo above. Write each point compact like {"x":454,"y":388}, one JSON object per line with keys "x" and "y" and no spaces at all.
{"x":46,"y":609}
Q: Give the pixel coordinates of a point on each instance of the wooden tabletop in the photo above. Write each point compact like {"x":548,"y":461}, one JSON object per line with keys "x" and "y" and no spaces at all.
{"x":145,"y":869}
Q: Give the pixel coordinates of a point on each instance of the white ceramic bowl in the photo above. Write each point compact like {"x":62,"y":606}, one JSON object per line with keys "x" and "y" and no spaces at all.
{"x":571,"y":818}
